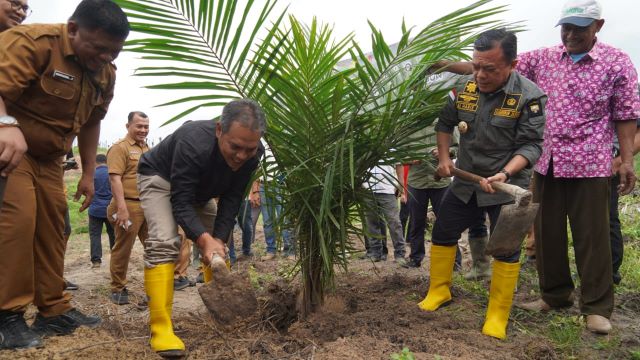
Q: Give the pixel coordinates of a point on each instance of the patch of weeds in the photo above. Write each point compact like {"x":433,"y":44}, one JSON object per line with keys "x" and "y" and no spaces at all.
{"x":635,"y":354}
{"x":564,"y":332}
{"x":405,"y":354}
{"x":609,"y":343}
{"x":254,"y":278}
{"x":413,"y":297}
{"x":477,"y":290}
{"x":630,"y":269}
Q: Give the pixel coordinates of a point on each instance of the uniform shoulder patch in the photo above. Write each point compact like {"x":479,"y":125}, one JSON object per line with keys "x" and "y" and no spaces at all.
{"x":535,"y":108}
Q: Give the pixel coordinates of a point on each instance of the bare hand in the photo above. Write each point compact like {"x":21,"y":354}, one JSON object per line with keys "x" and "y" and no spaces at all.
{"x":627,"y":178}
{"x":485,"y":184}
{"x":12,"y":149}
{"x":403,"y":197}
{"x":122,"y":217}
{"x":209,"y":246}
{"x":254,"y":199}
{"x":85,"y":187}
{"x":445,"y":168}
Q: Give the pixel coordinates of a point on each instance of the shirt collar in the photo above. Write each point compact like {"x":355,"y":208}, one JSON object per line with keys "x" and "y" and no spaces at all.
{"x":67,"y":49}
{"x":594,"y":53}
{"x":131,"y":141}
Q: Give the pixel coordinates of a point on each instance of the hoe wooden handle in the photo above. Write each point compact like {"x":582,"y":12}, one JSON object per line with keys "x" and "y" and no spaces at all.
{"x":522,"y":196}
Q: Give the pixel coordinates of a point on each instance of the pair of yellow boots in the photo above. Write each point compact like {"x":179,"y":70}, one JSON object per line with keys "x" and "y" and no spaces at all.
{"x":503,"y":284}
{"x":158,"y":283}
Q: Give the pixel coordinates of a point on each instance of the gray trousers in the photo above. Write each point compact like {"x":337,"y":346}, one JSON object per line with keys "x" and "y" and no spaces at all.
{"x":384,"y":210}
{"x":163,"y":245}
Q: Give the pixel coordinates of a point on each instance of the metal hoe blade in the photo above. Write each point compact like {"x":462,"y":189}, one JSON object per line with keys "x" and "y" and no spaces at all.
{"x":513,"y":223}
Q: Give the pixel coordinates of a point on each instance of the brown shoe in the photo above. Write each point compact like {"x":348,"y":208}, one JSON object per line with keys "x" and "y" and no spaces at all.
{"x":598,"y":324}
{"x":535,"y":306}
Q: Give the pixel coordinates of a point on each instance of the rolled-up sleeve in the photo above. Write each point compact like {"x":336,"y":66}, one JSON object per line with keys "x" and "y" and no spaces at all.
{"x":529,"y":135}
{"x":448,"y":119}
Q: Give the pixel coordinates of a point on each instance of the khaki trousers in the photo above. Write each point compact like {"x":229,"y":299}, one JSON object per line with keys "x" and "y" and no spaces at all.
{"x":121,"y":252}
{"x":164,"y":241}
{"x":32,"y":243}
{"x":585,"y":202}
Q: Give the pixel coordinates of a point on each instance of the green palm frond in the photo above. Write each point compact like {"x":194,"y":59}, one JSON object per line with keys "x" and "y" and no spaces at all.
{"x":330,"y":120}
{"x":216,"y":41}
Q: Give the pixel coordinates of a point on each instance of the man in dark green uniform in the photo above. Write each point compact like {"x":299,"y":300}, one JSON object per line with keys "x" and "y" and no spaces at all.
{"x":500,"y":117}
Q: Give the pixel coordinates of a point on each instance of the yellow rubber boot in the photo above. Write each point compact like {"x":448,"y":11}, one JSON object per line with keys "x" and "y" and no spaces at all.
{"x":158,"y":283}
{"x":441,"y":271}
{"x":503,"y":284}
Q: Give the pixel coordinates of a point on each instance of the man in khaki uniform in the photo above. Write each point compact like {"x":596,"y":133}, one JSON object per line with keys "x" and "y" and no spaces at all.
{"x":56,"y":83}
{"x":124,"y":211}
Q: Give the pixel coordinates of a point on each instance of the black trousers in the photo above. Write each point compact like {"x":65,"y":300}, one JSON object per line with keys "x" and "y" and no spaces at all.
{"x":418,"y":203}
{"x":95,"y":236}
{"x":456,"y":217}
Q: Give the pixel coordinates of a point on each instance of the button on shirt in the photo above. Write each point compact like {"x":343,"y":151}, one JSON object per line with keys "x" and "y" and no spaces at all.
{"x":584,"y":99}
{"x":191,"y":161}
{"x":501,"y":125}
{"x":46,"y":89}
{"x":122,"y":158}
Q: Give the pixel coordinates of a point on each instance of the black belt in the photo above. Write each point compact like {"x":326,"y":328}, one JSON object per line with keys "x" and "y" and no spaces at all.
{"x":132,"y":199}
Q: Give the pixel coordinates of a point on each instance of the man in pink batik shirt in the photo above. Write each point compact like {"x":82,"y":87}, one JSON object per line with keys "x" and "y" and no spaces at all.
{"x":592,"y":89}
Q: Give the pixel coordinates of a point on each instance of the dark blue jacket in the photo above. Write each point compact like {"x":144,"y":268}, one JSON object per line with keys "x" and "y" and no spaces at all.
{"x":102,"y":197}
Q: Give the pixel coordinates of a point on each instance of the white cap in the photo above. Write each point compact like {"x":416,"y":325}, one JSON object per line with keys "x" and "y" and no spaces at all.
{"x":580,"y":12}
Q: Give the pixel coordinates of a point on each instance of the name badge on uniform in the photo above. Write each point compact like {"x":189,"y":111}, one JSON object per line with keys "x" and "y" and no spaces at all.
{"x":57,"y":74}
{"x":509,"y":107}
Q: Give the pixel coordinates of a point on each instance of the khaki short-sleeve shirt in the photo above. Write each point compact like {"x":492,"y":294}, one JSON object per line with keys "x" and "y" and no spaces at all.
{"x":122,"y":159}
{"x":46,"y":89}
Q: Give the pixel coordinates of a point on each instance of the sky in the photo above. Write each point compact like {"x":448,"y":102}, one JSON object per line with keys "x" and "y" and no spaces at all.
{"x":347,"y":16}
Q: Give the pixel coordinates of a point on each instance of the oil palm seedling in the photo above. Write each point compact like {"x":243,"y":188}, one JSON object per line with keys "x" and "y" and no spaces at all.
{"x":330,"y":120}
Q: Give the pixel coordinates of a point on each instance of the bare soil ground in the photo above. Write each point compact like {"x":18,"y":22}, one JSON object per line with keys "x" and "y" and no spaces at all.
{"x":371,"y":315}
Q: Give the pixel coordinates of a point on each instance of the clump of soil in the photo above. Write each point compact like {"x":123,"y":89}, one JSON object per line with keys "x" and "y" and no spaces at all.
{"x":229,"y":296}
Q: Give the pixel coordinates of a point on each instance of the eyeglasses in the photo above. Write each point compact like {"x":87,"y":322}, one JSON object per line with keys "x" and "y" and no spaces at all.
{"x":17,"y":5}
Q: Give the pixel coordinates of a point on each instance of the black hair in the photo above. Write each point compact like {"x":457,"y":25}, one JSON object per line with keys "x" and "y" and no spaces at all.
{"x":134,"y":113}
{"x":507,"y":40}
{"x":101,"y":159}
{"x":247,"y":112}
{"x":102,"y":15}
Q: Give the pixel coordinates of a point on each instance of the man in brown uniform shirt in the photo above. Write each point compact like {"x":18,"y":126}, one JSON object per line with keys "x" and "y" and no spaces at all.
{"x":12,"y":13}
{"x":56,"y":83}
{"x":124,"y":211}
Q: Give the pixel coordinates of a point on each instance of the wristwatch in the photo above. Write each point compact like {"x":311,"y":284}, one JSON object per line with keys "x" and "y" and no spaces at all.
{"x":7,"y":120}
{"x":506,"y":173}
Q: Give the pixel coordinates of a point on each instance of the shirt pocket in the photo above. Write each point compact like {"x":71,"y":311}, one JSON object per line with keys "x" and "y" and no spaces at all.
{"x":502,"y":132}
{"x":56,"y":100}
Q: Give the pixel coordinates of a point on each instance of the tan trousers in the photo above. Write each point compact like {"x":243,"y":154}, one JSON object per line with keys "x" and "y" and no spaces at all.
{"x":184,"y":258}
{"x":121,"y":252}
{"x":32,"y":244}
{"x":164,"y":241}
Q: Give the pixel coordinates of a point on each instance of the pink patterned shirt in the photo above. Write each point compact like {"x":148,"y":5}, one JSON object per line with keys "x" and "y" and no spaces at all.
{"x":584,"y":99}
